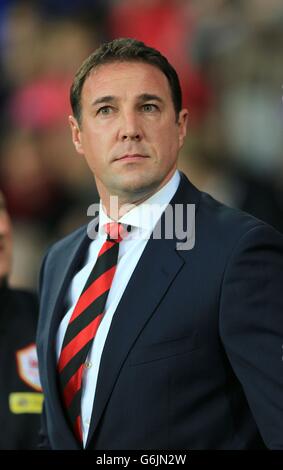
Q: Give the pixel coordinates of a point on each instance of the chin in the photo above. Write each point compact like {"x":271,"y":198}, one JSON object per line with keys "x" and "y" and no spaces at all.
{"x":144,"y":179}
{"x":140,"y":186}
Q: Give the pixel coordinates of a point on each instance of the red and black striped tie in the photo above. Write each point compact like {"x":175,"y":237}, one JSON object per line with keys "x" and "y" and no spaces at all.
{"x":84,"y":322}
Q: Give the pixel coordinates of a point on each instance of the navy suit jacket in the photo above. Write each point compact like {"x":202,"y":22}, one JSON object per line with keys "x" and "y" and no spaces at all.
{"x":193,"y":358}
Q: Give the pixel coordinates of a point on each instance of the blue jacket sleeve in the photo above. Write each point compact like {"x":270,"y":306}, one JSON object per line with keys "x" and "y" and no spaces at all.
{"x":251,"y":326}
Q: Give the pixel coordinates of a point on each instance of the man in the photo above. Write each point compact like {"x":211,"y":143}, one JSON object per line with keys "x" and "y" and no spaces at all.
{"x":174,"y":344}
{"x":20,"y":391}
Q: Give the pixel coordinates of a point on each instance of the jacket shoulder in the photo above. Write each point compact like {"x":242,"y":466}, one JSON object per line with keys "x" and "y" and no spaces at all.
{"x":218,"y":215}
{"x":73,"y":238}
{"x":223,"y":217}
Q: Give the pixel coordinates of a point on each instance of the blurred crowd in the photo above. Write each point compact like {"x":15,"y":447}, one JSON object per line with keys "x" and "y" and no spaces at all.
{"x":228,"y":54}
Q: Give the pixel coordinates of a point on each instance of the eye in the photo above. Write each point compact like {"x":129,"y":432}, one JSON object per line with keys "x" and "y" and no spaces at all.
{"x":104,"y":110}
{"x":149,"y":107}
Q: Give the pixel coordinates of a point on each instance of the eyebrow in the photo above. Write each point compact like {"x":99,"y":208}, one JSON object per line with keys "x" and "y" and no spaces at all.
{"x":103,"y":99}
{"x":142,"y":97}
{"x":149,"y":97}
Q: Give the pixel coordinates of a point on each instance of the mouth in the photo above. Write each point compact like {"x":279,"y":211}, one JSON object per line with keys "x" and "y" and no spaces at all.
{"x":133,"y":157}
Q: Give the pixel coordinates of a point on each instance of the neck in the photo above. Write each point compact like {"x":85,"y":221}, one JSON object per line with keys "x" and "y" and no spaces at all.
{"x":115,"y":207}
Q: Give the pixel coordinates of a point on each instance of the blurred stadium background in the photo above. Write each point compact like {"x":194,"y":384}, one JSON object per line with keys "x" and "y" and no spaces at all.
{"x":229,"y":56}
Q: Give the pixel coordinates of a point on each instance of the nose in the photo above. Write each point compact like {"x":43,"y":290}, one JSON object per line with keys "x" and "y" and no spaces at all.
{"x":129,"y":128}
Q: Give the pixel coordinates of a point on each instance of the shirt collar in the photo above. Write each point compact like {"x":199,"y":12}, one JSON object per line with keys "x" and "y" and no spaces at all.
{"x":145,"y":216}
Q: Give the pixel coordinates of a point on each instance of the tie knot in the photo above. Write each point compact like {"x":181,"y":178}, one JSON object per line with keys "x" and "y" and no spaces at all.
{"x":116,"y":231}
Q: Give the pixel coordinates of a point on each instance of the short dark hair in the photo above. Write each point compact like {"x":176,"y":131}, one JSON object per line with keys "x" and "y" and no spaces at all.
{"x":124,"y":50}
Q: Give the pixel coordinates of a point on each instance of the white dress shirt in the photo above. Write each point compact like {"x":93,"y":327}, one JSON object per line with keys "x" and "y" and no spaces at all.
{"x":142,"y":219}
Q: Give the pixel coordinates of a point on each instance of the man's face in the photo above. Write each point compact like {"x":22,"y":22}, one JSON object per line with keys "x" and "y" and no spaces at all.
{"x":5,"y":241}
{"x":129,"y":133}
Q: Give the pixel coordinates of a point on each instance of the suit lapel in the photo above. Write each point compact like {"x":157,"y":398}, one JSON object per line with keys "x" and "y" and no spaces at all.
{"x":63,"y":271}
{"x":137,"y":305}
{"x":156,"y":271}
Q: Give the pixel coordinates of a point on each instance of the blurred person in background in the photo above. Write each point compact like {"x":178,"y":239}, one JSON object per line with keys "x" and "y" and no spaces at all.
{"x":43,"y":185}
{"x":236,"y":153}
{"x":176,"y":22}
{"x":20,"y":390}
{"x":143,"y":345}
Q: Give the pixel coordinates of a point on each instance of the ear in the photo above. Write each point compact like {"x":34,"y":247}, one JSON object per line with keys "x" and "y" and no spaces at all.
{"x":183,"y":126}
{"x":76,"y":134}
